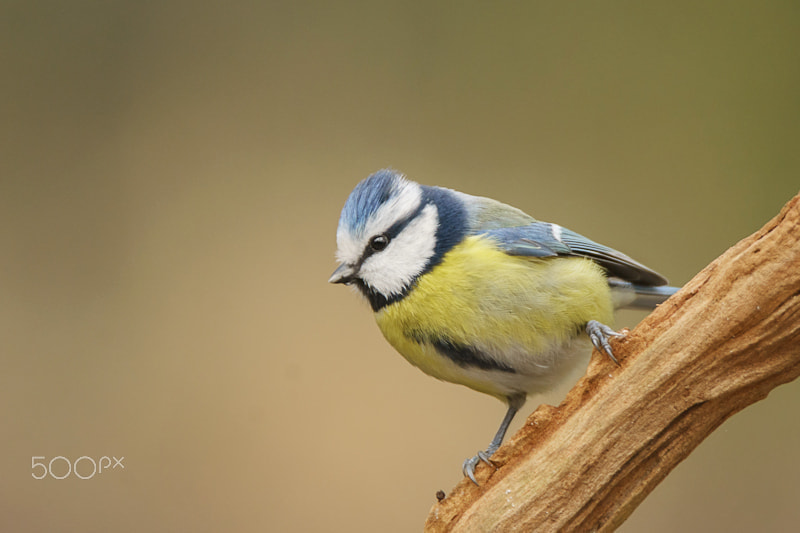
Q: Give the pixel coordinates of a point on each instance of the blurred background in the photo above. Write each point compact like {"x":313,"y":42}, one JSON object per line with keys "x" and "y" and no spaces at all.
{"x":171,"y":175}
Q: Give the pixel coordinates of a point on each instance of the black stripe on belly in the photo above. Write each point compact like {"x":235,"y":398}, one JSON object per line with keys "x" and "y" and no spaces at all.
{"x":468,"y":356}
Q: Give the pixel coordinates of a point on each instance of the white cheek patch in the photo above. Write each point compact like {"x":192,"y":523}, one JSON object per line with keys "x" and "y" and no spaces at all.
{"x":391,"y":271}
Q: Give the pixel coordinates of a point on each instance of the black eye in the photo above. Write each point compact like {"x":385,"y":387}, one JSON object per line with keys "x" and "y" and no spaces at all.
{"x":378,"y":243}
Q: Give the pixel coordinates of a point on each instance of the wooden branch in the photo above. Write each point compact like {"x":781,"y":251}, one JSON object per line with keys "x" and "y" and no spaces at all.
{"x":723,"y":342}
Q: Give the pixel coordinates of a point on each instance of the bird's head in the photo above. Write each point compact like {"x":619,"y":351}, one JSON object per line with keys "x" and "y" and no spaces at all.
{"x":389,"y":234}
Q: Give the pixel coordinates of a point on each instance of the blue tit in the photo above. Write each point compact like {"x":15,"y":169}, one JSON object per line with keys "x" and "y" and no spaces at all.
{"x":476,"y":292}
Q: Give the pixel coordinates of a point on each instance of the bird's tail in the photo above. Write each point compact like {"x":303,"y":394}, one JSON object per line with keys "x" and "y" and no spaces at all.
{"x":631,"y":296}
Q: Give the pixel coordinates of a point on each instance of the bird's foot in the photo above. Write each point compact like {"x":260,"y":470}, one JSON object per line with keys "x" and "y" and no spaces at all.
{"x":599,"y":335}
{"x":468,"y":468}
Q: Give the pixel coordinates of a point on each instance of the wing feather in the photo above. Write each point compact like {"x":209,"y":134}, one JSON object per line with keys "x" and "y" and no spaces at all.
{"x":541,"y":239}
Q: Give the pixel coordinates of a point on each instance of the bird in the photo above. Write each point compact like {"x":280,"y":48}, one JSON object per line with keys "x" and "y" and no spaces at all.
{"x":476,"y":292}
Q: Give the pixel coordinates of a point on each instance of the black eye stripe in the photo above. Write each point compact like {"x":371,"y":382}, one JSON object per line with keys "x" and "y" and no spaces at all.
{"x":393,"y":231}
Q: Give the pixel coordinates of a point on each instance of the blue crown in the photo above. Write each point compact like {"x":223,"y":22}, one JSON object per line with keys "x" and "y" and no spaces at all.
{"x":367,"y":197}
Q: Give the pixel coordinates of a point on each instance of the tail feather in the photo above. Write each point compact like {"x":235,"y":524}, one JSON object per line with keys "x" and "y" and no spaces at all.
{"x":650,"y":297}
{"x":633,"y":296}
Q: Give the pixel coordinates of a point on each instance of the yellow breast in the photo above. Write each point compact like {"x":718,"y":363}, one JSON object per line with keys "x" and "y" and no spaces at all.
{"x":520,"y":312}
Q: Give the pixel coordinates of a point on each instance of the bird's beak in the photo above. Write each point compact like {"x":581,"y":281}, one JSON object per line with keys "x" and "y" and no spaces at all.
{"x":344,"y":274}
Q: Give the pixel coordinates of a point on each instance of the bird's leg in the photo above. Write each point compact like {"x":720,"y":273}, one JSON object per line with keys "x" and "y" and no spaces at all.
{"x":599,"y":335}
{"x":514,"y":403}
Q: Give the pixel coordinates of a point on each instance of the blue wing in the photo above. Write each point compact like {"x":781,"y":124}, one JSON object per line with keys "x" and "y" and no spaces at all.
{"x":541,"y":239}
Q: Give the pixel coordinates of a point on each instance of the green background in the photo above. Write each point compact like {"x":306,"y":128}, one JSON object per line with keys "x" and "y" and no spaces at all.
{"x":171,"y":175}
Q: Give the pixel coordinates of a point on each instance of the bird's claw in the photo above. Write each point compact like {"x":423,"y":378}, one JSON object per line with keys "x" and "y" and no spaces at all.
{"x":468,"y":468}
{"x":599,"y":335}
